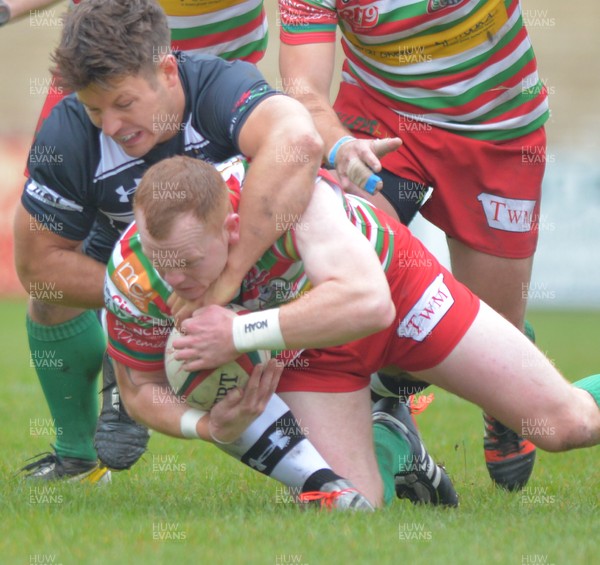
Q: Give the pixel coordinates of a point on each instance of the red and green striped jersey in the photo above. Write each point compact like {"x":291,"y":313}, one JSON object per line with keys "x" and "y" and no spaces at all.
{"x":228,"y":29}
{"x":138,"y":319}
{"x":463,"y":65}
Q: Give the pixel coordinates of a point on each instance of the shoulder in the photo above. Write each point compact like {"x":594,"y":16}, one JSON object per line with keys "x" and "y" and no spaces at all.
{"x":65,"y":144}
{"x":133,"y":289}
{"x":67,"y":125}
{"x":203,"y":69}
{"x":221,"y":95}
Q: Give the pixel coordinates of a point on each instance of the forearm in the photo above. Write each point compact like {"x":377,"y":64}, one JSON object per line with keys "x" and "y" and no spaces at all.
{"x":350,"y":296}
{"x":159,"y":409}
{"x":52,"y":269}
{"x":273,"y":198}
{"x":307,"y":72}
{"x":327,"y":316}
{"x":326,"y":120}
{"x":64,"y":277}
{"x":280,"y":180}
{"x":150,"y":401}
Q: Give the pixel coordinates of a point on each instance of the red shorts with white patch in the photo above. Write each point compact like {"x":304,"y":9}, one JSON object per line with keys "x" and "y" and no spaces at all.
{"x":486,"y":193}
{"x":433,"y":313}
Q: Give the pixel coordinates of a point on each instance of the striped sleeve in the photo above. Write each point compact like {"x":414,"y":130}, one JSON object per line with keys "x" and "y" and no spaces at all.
{"x":307,"y":22}
{"x":229,"y":30}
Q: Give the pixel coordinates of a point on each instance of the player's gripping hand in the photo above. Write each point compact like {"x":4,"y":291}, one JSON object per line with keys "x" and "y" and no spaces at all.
{"x":182,"y":309}
{"x":208,"y":339}
{"x":357,"y":160}
{"x":232,"y":415}
{"x":220,"y":292}
{"x":224,"y":289}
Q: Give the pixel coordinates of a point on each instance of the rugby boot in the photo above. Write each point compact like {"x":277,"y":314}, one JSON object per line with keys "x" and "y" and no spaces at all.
{"x":422,"y":481}
{"x":337,"y":495}
{"x":52,"y":467}
{"x":119,"y":440}
{"x":509,"y":458}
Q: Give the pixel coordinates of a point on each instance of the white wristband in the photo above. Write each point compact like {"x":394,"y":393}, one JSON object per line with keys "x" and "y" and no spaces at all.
{"x":258,"y":330}
{"x":189,"y":421}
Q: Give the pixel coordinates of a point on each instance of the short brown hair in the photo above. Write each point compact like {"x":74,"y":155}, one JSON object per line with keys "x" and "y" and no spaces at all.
{"x":107,"y":39}
{"x":177,"y":186}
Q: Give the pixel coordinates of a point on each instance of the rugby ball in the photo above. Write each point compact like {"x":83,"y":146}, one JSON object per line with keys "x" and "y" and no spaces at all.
{"x":203,"y":389}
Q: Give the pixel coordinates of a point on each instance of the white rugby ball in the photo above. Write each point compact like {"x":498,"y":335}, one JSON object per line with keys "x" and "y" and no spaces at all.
{"x":203,"y":389}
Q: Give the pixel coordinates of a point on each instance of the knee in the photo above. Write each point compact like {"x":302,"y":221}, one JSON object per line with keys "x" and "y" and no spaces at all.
{"x":129,"y":402}
{"x":138,"y":401}
{"x":568,"y":432}
{"x":567,"y":439}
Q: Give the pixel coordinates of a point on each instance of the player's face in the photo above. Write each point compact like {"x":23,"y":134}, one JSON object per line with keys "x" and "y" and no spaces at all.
{"x":193,"y":256}
{"x":137,"y":112}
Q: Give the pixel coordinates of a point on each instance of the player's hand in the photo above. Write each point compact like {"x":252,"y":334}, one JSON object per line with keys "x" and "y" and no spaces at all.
{"x":208,"y":339}
{"x":222,"y":291}
{"x":225,"y":288}
{"x":182,"y":309}
{"x":357,"y":163}
{"x":230,"y":417}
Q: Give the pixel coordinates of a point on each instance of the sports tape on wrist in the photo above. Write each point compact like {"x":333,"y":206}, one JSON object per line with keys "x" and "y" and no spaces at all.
{"x":189,"y":421}
{"x":335,"y":148}
{"x":258,"y":330}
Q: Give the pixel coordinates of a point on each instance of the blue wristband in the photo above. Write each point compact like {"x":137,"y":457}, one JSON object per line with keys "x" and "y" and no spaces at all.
{"x":334,"y":149}
{"x":372,"y":183}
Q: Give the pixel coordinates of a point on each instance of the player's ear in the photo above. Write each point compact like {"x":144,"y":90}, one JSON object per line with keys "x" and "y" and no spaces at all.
{"x":232,"y":227}
{"x":168,"y":68}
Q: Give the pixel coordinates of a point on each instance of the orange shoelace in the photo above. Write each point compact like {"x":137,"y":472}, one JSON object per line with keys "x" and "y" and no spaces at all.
{"x":327,"y":498}
{"x":419,"y":404}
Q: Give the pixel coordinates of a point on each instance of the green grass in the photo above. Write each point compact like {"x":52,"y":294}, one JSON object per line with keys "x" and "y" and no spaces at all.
{"x":185,"y":502}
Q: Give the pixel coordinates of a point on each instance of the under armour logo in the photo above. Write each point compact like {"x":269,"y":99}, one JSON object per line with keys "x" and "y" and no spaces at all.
{"x":124,"y":194}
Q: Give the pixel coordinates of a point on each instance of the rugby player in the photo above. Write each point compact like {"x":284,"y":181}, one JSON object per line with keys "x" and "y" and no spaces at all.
{"x":337,"y":410}
{"x":458,"y":82}
{"x":338,"y":312}
{"x":135,"y":103}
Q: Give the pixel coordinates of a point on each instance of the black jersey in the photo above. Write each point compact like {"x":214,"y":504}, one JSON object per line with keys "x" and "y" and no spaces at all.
{"x":81,"y":182}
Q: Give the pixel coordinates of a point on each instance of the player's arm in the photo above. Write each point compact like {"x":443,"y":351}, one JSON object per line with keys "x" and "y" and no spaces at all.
{"x":150,"y":401}
{"x":350,"y":299}
{"x":19,"y":8}
{"x":285,"y":148}
{"x":45,"y":261}
{"x":351,"y":296}
{"x":307,"y":70}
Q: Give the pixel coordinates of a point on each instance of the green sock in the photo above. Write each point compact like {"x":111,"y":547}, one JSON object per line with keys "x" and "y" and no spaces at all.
{"x":528,"y":331}
{"x":592,"y":385}
{"x":67,"y":358}
{"x":391,"y":450}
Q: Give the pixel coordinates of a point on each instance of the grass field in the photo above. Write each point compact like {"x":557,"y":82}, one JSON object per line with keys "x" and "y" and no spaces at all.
{"x":185,"y":502}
